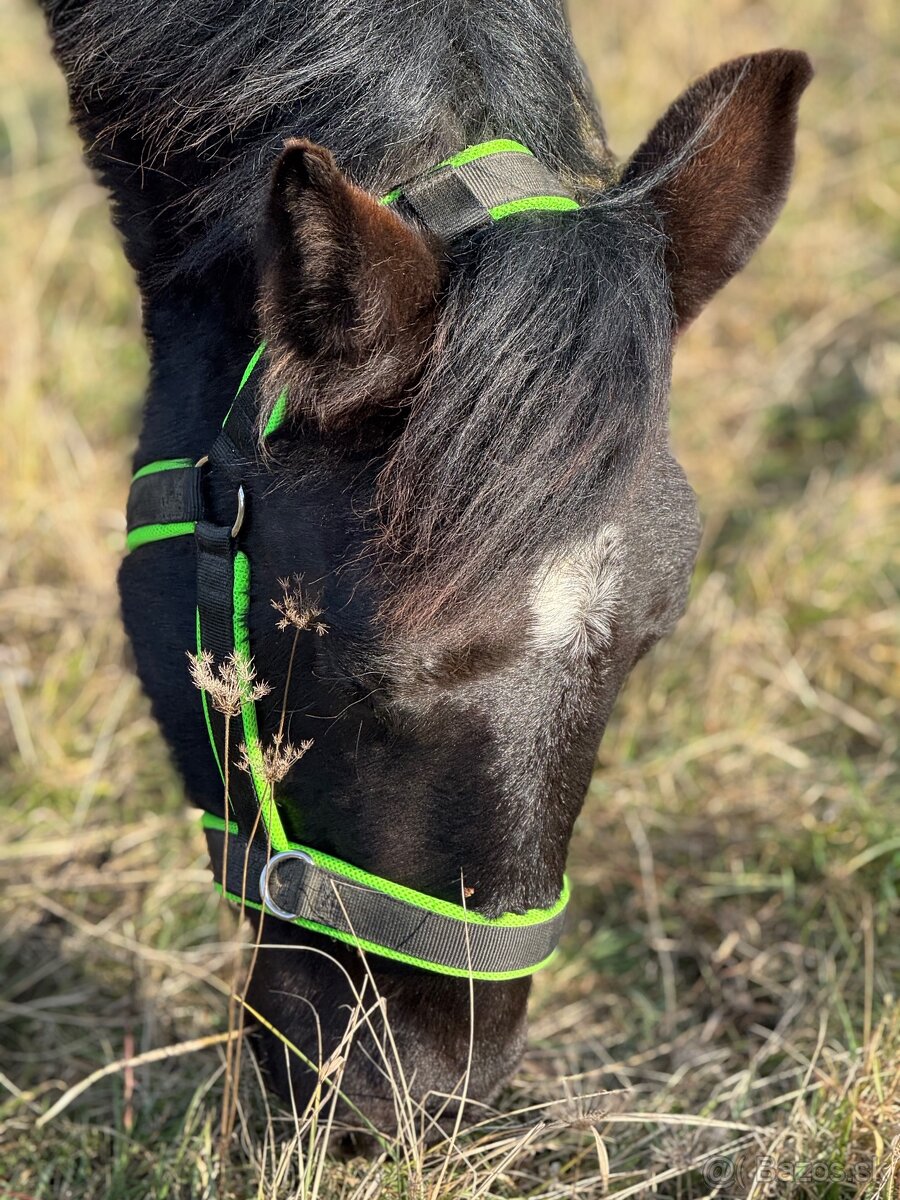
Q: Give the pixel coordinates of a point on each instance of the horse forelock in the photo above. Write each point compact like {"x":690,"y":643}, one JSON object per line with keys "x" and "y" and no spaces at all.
{"x":548,"y":377}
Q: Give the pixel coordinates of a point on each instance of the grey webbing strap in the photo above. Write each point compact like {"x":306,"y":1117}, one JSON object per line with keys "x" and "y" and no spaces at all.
{"x":452,"y":199}
{"x":443,"y":203}
{"x":299,"y":890}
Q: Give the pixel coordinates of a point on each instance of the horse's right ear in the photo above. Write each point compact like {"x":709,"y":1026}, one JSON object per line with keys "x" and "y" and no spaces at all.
{"x":717,"y":165}
{"x":348,"y":290}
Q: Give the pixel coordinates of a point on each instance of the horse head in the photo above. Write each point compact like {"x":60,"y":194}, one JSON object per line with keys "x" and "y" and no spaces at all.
{"x":453,"y":526}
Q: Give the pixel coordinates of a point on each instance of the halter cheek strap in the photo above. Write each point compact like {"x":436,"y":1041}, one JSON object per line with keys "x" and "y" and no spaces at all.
{"x":254,"y":862}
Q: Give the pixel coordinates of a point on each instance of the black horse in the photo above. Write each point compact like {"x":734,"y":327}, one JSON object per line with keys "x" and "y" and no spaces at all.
{"x":471,"y":470}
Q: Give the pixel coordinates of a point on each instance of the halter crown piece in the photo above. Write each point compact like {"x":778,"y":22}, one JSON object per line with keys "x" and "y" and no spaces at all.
{"x":254,"y":862}
{"x":481,"y":184}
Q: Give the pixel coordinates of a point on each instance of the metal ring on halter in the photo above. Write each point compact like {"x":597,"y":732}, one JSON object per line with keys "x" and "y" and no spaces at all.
{"x":267,"y":902}
{"x":239,"y":519}
{"x":241,"y":503}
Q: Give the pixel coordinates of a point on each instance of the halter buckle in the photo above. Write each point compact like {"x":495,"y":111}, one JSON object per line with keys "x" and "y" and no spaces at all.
{"x":268,"y":903}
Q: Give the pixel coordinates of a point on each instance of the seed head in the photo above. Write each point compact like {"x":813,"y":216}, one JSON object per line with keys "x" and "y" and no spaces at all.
{"x":277,"y":758}
{"x":296,"y":609}
{"x":229,"y":684}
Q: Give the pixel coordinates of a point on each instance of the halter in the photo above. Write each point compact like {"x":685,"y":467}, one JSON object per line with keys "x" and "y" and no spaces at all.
{"x":254,"y":862}
{"x":483,"y":183}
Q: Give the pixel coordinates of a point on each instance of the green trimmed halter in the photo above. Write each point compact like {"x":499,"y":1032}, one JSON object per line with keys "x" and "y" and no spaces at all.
{"x":483,"y":183}
{"x":254,"y":862}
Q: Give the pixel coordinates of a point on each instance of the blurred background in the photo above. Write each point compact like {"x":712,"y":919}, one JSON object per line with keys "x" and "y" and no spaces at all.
{"x":730,"y":976}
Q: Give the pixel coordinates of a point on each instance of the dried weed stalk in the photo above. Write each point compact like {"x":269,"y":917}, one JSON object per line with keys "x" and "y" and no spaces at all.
{"x":296,"y":610}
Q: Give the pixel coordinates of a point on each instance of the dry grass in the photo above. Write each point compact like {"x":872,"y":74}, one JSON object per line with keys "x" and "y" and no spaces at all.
{"x":726,"y":1006}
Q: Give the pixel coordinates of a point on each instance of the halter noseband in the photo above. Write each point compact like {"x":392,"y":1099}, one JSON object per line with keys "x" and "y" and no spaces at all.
{"x":254,"y":863}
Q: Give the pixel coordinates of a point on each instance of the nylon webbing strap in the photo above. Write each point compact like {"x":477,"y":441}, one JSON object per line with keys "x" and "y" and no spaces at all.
{"x":164,"y":501}
{"x":386,"y":919}
{"x":168,"y":495}
{"x":215,"y":585}
{"x":218,"y":621}
{"x":215,"y":633}
{"x":482,"y":184}
{"x":236,"y":444}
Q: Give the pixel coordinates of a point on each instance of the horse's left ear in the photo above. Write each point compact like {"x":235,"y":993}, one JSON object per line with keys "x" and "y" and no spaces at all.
{"x":718,"y":165}
{"x":348,"y":290}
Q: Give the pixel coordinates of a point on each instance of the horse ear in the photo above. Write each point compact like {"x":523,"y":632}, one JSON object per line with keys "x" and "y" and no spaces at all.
{"x":718,"y":165}
{"x":348,"y":290}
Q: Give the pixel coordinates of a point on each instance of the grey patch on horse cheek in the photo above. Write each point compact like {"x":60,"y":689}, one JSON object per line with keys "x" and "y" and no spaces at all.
{"x":575,"y":595}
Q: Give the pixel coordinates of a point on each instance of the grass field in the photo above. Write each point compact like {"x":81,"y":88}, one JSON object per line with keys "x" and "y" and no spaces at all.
{"x":726,"y":1006}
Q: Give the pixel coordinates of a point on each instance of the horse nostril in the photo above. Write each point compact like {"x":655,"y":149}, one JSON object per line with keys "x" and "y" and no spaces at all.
{"x":345,"y":1146}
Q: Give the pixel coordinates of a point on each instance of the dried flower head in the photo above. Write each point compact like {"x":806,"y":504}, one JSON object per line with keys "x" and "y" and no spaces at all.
{"x":296,"y":609}
{"x":586,"y":1112}
{"x":229,"y":684}
{"x":277,"y":758}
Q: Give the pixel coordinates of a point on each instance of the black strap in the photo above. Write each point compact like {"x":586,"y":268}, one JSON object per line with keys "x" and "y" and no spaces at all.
{"x":215,"y":613}
{"x":164,"y":498}
{"x":174,"y":495}
{"x":237,"y":441}
{"x":232,"y":454}
{"x":215,"y":587}
{"x":307,"y":892}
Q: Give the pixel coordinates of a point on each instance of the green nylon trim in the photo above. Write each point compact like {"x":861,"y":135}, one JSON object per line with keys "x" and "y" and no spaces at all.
{"x":444,"y":908}
{"x":264,"y":792}
{"x":205,"y":703}
{"x":157,"y":533}
{"x":483,"y":149}
{"x":248,"y":370}
{"x":424,"y":964}
{"x":164,"y":464}
{"x":470,"y":154}
{"x":277,"y":416}
{"x":535,"y":204}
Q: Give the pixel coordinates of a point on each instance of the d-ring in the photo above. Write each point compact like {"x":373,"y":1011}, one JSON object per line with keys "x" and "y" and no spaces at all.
{"x":267,"y":902}
{"x":241,"y":504}
{"x":239,"y":519}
